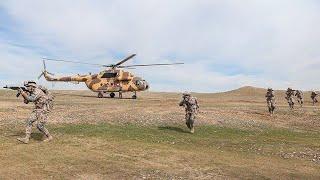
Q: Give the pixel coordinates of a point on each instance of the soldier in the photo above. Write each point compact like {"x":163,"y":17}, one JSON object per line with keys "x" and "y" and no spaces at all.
{"x":191,"y":106}
{"x":270,"y":101}
{"x":40,"y":113}
{"x":289,"y":97}
{"x":314,"y":97}
{"x":299,"y":95}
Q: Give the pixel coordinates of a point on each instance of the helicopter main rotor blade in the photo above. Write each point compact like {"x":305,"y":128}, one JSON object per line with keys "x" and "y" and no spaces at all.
{"x":143,"y":65}
{"x":124,"y":60}
{"x":44,"y":65}
{"x":40,"y":75}
{"x":76,"y":62}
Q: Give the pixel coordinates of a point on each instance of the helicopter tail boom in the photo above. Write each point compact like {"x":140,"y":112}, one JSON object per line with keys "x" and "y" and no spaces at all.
{"x":50,"y":76}
{"x":77,"y":78}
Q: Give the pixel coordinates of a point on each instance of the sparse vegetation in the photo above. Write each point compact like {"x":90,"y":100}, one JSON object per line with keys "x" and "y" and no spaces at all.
{"x":146,"y":138}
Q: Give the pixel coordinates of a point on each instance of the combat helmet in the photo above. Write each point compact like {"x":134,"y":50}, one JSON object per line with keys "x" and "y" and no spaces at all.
{"x":270,"y":89}
{"x":186,"y":93}
{"x":30,"y":83}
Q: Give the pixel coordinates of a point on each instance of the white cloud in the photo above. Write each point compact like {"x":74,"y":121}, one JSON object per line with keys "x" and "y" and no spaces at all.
{"x":272,"y":43}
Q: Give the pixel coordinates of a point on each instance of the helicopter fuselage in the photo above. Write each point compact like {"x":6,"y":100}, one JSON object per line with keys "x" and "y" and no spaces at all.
{"x":112,"y":80}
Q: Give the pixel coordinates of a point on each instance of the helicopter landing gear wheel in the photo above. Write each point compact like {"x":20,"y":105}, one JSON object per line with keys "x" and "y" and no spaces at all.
{"x":134,"y":96}
{"x":112,"y":95}
{"x":100,"y":95}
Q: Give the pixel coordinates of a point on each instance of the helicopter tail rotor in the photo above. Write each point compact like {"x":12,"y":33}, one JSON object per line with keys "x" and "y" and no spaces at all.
{"x":44,"y":71}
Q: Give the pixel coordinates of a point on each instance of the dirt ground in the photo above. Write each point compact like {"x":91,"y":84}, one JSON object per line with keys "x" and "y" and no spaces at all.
{"x":146,"y":138}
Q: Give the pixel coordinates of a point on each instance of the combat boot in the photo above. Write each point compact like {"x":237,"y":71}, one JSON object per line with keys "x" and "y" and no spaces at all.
{"x":192,"y":130}
{"x":48,"y":138}
{"x":188,"y":125}
{"x":47,"y":135}
{"x":24,"y":140}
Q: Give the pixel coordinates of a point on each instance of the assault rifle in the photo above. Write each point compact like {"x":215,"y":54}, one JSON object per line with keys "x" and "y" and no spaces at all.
{"x":16,"y":88}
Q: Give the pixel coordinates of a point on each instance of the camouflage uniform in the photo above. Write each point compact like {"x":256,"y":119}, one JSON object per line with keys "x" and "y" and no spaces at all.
{"x":314,"y":97}
{"x":271,"y":101}
{"x":289,"y":97}
{"x":299,"y":95}
{"x":39,"y":114}
{"x":191,"y":106}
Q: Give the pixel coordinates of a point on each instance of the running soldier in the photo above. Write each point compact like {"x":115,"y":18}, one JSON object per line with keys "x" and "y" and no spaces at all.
{"x":271,"y":100}
{"x":289,"y":97}
{"x":191,"y":106}
{"x":40,"y":112}
{"x":299,"y":95}
{"x":314,"y":95}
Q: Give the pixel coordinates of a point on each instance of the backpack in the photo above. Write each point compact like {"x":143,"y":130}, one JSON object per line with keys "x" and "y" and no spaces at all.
{"x":49,"y":97}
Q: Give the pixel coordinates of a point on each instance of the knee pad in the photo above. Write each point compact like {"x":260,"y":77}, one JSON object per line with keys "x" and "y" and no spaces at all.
{"x":40,"y":126}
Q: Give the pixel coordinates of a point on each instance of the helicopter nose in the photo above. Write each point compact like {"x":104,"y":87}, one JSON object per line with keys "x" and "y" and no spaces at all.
{"x":142,"y":85}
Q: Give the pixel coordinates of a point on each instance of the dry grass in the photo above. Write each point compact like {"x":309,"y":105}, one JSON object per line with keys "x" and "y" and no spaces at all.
{"x":145,"y":138}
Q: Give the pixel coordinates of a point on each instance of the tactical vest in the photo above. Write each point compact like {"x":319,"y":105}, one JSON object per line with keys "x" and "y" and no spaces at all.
{"x":49,"y":97}
{"x":192,"y":104}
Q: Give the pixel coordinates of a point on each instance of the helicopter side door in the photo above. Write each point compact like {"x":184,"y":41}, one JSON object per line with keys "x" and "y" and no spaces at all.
{"x":111,"y":83}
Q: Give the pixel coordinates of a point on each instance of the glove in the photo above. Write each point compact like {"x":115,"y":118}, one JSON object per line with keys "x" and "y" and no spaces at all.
{"x":20,"y":90}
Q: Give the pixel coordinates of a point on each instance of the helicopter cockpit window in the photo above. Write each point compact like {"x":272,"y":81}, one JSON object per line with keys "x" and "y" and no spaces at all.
{"x":109,"y":75}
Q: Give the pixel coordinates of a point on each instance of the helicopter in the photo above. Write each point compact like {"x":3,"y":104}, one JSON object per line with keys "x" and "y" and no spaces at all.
{"x":112,"y":80}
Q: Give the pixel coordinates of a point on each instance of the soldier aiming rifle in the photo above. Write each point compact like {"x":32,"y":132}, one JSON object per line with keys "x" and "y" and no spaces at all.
{"x":42,"y":99}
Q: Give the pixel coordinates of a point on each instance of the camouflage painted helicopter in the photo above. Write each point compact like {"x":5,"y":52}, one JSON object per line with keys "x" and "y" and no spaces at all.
{"x":112,"y":80}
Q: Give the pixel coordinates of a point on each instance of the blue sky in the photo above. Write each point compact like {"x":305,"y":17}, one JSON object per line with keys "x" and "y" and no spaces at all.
{"x":225,"y":44}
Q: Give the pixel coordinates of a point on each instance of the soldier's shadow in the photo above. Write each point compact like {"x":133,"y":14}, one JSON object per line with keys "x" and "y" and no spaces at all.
{"x":16,"y":134}
{"x":37,"y":136}
{"x":34,"y":136}
{"x":170,"y":128}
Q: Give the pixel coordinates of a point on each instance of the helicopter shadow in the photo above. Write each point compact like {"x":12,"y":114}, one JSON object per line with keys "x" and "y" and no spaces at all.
{"x":171,"y":128}
{"x":117,"y":98}
{"x":90,"y":96}
{"x":75,"y":95}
